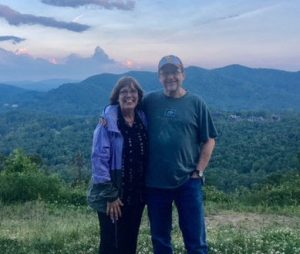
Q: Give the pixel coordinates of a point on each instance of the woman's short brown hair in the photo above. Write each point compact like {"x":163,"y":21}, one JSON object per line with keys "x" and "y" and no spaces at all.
{"x":123,"y":82}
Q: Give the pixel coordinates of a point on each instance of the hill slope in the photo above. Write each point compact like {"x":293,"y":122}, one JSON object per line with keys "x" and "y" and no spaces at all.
{"x":232,"y":88}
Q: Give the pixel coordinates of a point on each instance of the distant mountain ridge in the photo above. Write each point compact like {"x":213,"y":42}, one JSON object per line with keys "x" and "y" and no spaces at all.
{"x":42,"y":85}
{"x":234,"y":88}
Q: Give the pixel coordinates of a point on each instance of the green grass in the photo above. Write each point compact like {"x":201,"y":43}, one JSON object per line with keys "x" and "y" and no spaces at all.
{"x":38,"y":227}
{"x":236,"y":206}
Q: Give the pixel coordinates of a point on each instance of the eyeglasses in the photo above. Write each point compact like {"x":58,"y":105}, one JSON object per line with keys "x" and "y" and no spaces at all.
{"x":167,"y":73}
{"x":126,"y":92}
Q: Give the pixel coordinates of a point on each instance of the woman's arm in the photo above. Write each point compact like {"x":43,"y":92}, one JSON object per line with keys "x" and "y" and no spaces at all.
{"x":101,"y":159}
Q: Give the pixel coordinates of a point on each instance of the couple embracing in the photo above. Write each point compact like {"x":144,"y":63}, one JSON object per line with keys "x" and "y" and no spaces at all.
{"x":152,"y":151}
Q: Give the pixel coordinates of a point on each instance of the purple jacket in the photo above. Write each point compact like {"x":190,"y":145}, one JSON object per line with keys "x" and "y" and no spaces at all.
{"x":107,"y":151}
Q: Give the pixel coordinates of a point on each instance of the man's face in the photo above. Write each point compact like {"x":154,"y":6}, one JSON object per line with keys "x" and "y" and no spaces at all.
{"x":171,"y":78}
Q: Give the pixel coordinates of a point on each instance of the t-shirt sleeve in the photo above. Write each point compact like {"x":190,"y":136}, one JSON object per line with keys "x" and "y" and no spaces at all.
{"x":207,"y":127}
{"x":143,"y":103}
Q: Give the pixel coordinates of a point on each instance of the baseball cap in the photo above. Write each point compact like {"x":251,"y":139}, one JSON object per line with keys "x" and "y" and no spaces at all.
{"x":171,"y":59}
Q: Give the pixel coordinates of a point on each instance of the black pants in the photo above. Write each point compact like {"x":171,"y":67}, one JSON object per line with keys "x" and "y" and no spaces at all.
{"x":120,"y":237}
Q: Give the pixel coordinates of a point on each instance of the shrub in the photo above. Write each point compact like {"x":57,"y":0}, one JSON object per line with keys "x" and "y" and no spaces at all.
{"x":287,"y":192}
{"x":28,"y":186}
{"x":19,"y":162}
{"x":73,"y":195}
{"x":21,"y":181}
{"x":215,"y":195}
{"x":21,"y":187}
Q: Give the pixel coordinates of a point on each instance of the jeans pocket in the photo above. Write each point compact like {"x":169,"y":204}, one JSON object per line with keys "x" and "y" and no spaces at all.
{"x":201,"y":180}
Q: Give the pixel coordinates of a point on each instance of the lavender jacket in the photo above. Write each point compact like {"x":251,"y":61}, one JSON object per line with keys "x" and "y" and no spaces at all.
{"x":107,"y":151}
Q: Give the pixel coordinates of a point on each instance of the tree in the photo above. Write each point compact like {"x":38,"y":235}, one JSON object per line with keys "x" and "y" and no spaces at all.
{"x":79,"y":163}
{"x":17,"y":161}
{"x":2,"y":162}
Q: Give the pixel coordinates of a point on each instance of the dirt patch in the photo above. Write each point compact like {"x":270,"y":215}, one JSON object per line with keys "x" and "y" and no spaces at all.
{"x":251,"y":220}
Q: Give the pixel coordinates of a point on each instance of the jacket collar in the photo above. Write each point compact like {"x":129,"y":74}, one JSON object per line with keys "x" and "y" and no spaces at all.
{"x":110,"y":113}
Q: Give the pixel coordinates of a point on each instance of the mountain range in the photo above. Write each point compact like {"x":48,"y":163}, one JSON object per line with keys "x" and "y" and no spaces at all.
{"x":43,"y":85}
{"x":231,"y":88}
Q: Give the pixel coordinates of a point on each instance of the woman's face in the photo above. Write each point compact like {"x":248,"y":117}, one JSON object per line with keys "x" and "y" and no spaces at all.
{"x":128,"y":97}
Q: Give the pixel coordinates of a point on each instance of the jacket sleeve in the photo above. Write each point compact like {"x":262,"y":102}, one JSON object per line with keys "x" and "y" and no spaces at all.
{"x":101,"y":161}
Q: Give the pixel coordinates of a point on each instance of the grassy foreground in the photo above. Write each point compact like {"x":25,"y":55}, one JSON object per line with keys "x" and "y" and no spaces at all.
{"x":38,"y":227}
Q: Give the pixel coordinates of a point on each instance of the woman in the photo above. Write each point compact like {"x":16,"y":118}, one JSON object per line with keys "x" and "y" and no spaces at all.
{"x":119,"y":157}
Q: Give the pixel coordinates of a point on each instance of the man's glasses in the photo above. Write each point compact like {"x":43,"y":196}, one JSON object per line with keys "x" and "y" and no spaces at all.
{"x":168,"y":73}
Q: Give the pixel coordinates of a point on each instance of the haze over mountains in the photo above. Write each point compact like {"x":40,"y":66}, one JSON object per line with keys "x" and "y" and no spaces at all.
{"x":20,"y":66}
{"x":232,"y":88}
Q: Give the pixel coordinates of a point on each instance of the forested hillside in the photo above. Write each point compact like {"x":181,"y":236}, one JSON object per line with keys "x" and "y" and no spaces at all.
{"x":251,"y":146}
{"x":255,"y":112}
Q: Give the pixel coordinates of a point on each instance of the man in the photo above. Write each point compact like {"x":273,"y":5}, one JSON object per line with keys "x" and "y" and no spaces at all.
{"x":181,"y":141}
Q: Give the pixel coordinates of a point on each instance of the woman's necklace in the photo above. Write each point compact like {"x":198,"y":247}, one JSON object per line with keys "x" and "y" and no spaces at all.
{"x":129,"y":121}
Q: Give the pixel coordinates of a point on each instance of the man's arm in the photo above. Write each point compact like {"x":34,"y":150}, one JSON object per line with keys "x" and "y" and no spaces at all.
{"x":205,"y":155}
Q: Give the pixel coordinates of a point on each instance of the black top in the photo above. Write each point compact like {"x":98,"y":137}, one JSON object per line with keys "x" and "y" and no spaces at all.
{"x":135,"y":153}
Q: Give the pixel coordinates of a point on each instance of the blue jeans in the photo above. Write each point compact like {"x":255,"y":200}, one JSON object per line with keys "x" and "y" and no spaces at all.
{"x":188,"y":199}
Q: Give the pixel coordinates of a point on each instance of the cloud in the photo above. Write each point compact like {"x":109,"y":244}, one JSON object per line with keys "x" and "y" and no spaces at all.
{"x":14,"y":39}
{"x":248,"y":13}
{"x":106,"y":4}
{"x":241,"y":14}
{"x":98,"y":58}
{"x":72,"y":67}
{"x":22,"y":51}
{"x":16,"y":18}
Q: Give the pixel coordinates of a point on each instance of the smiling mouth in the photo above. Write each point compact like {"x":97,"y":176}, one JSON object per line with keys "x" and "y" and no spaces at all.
{"x":171,"y":83}
{"x":129,"y":101}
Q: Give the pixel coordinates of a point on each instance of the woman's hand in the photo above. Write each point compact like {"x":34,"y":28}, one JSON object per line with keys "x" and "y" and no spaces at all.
{"x":113,"y":209}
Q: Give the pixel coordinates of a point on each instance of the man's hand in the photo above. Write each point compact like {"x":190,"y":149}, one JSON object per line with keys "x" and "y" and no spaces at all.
{"x":197,"y":174}
{"x":103,"y":121}
{"x":113,"y":209}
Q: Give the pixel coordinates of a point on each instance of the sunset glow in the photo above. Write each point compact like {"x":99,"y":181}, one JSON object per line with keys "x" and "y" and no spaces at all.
{"x":136,"y":34}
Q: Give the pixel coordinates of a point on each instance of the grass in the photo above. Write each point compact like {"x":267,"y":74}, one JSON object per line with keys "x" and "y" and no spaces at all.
{"x":38,"y":227}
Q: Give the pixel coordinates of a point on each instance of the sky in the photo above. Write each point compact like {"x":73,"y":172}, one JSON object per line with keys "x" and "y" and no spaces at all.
{"x":44,"y":39}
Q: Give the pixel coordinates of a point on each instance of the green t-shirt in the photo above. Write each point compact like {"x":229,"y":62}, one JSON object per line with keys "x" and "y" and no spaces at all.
{"x":177,"y":127}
